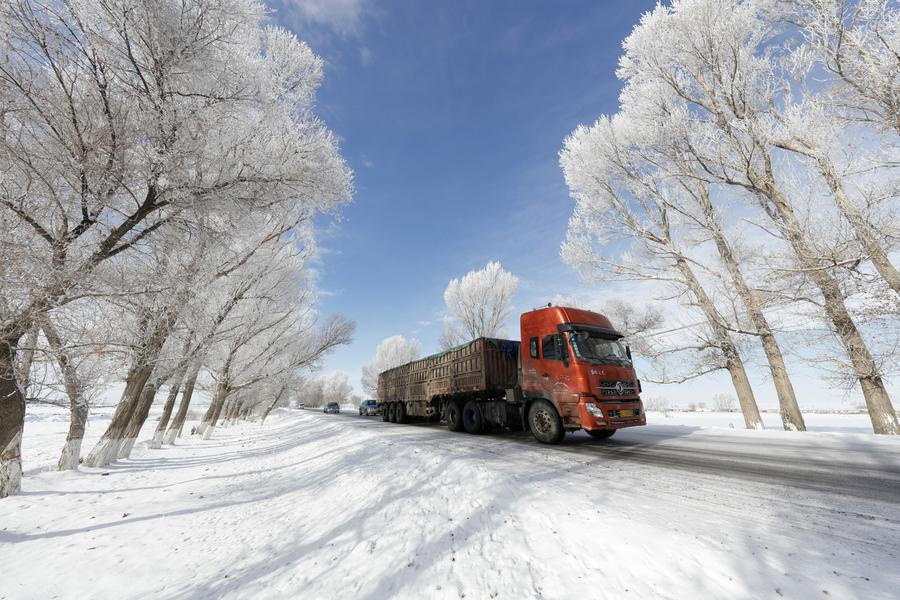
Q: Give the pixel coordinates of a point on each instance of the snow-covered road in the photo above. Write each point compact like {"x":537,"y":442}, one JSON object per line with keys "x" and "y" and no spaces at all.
{"x":324,"y":506}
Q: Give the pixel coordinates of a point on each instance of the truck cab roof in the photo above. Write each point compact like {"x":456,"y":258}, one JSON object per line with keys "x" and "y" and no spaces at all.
{"x":550,"y":317}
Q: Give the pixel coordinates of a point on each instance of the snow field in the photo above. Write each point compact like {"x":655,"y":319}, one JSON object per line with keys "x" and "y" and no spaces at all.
{"x":325,"y":506}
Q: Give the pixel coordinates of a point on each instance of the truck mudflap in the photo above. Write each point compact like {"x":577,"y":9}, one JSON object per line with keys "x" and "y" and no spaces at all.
{"x":612,"y":415}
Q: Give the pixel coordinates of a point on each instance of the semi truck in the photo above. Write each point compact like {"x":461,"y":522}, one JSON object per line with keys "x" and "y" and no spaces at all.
{"x":570,"y":370}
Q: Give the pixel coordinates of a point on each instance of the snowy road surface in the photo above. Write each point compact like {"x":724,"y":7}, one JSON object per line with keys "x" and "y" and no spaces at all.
{"x":316,"y":506}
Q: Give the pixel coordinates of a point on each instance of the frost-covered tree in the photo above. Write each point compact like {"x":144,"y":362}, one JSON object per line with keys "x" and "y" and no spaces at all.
{"x":635,"y":321}
{"x":336,"y":387}
{"x":120,"y":120}
{"x":857,"y":44}
{"x":391,"y":352}
{"x":689,"y":202}
{"x":723,"y":402}
{"x":716,"y":62}
{"x":620,"y":197}
{"x":479,"y":302}
{"x":757,"y":126}
{"x":272,"y":333}
{"x":311,"y":392}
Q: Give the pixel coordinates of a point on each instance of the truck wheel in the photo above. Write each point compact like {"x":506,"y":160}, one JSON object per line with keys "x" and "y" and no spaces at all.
{"x":454,"y":417}
{"x":471,"y":417}
{"x":601,"y":434}
{"x":385,"y":417}
{"x":400,"y":413}
{"x":392,"y":412}
{"x":545,"y":423}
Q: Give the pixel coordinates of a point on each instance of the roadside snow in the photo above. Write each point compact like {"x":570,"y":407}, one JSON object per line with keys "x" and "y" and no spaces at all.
{"x":327,"y":506}
{"x":821,"y":422}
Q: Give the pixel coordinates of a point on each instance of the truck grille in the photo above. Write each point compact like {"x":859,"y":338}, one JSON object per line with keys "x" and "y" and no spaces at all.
{"x":617,"y":388}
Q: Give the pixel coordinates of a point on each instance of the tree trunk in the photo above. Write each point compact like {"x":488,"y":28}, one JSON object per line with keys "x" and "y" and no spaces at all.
{"x":733,"y":362}
{"x":222,"y":391}
{"x":177,"y":379}
{"x":246,"y":409}
{"x":138,"y":417}
{"x":865,"y":234}
{"x":142,"y":411}
{"x":12,"y":417}
{"x":791,"y":417}
{"x":215,"y":409}
{"x":881,"y":412}
{"x":167,"y":410}
{"x":78,"y":405}
{"x":273,"y":404}
{"x":234,"y":411}
{"x":107,"y":449}
{"x":23,"y":370}
{"x":178,"y":422}
{"x":71,"y":453}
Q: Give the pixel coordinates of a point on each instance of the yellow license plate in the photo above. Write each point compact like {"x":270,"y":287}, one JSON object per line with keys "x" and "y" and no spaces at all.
{"x":626,"y":413}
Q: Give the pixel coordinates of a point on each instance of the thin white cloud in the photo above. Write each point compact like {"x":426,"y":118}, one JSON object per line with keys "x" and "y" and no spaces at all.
{"x":342,"y":16}
{"x":366,"y":56}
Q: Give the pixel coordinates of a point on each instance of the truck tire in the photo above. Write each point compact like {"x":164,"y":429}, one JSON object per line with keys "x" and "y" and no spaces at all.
{"x":454,"y":416}
{"x":392,"y":412}
{"x":400,"y":413}
{"x":545,"y":423}
{"x":472,"y":418}
{"x":385,"y":417}
{"x":601,"y":434}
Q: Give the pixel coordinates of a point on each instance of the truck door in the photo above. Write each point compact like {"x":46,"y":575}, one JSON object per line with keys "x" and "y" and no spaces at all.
{"x":546,"y":368}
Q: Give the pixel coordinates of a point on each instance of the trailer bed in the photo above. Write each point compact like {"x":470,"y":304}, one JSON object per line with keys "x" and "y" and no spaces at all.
{"x":484,"y":368}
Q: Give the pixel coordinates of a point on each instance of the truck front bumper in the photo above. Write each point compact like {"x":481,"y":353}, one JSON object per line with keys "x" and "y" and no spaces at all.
{"x":614,"y":415}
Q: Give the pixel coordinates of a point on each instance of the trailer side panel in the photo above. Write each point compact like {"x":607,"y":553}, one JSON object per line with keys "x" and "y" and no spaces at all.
{"x":483,"y":368}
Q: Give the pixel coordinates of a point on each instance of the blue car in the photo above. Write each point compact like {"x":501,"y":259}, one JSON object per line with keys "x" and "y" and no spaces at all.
{"x":367,"y":408}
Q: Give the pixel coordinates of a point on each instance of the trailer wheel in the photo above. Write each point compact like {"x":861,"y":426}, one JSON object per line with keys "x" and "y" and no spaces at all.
{"x":454,"y":416}
{"x":392,"y":412}
{"x":471,"y":417}
{"x":601,"y":434}
{"x":400,"y":413}
{"x":385,"y":417}
{"x":545,"y":423}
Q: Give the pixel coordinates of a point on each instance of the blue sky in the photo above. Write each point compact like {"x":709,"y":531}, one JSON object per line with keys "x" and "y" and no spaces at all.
{"x":451,"y":114}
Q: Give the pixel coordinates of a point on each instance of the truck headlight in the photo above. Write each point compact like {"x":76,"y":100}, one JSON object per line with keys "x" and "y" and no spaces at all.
{"x":594,"y":409}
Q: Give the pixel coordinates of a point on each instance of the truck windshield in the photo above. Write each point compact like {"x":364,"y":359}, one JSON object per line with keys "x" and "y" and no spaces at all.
{"x":594,"y":346}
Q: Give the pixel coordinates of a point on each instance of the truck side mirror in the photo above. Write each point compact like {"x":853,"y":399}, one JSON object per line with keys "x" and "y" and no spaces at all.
{"x":628,"y":351}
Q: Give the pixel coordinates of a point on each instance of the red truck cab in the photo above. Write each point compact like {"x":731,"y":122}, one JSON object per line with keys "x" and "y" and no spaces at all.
{"x":575,"y":362}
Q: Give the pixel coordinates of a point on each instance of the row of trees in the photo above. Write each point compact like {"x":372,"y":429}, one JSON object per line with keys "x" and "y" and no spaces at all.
{"x":330,"y":387}
{"x":752,"y":168}
{"x":160,"y":169}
